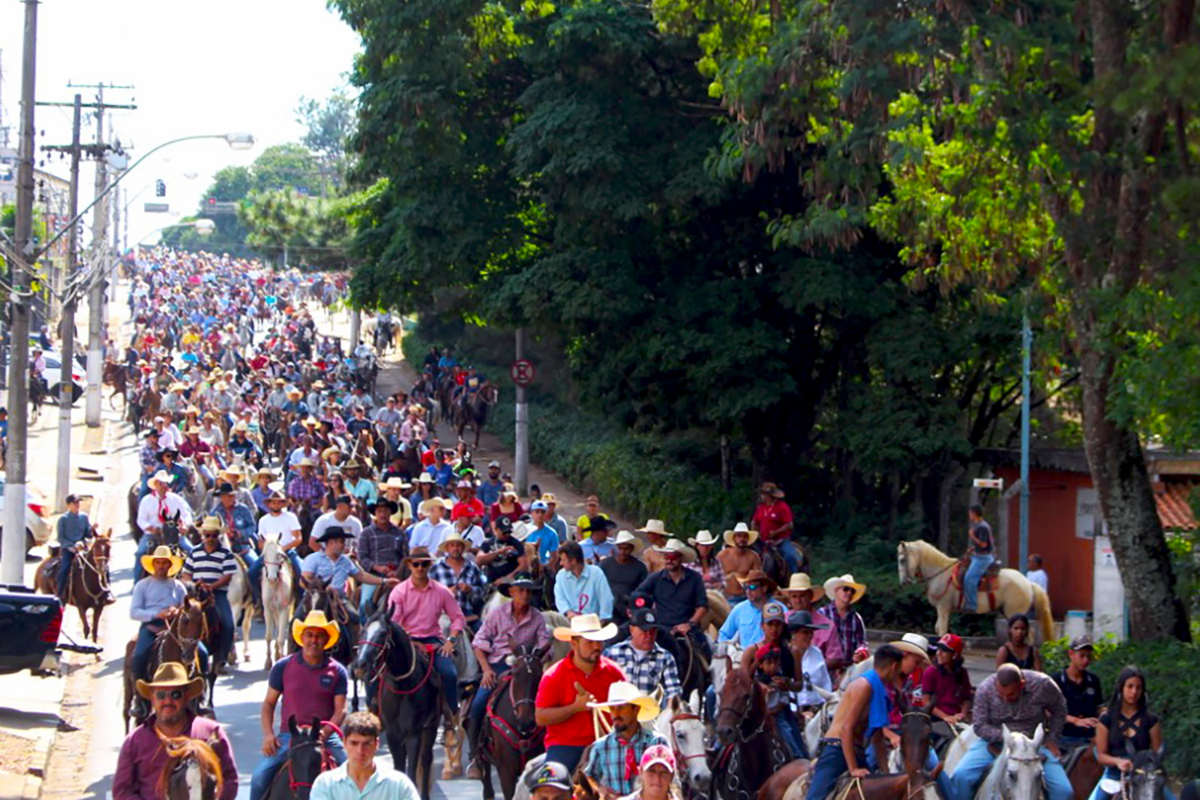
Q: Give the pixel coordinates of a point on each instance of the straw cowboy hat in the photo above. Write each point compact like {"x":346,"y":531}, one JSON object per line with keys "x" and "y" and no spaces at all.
{"x":625,"y":693}
{"x":625,"y":537}
{"x":265,"y":471}
{"x":674,"y":546}
{"x":305,"y":462}
{"x":703,"y":537}
{"x":586,"y":626}
{"x":800,"y":582}
{"x":353,"y":463}
{"x":761,"y":578}
{"x":913,"y":643}
{"x":654,"y":526}
{"x":315,"y":619}
{"x":211,"y":524}
{"x":395,"y":483}
{"x":162,"y":476}
{"x":171,"y":675}
{"x":425,"y":477}
{"x":741,"y":527}
{"x":833,"y":584}
{"x":454,"y":536}
{"x":163,"y":553}
{"x":434,"y":501}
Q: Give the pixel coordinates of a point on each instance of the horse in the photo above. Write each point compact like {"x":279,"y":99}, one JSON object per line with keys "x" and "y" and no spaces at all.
{"x":921,"y":562}
{"x":306,"y":759}
{"x":409,"y":698}
{"x":88,"y":587}
{"x":212,"y":633}
{"x":680,"y":724}
{"x":717,"y":613}
{"x":964,"y":738}
{"x":241,"y":603}
{"x":693,"y":667}
{"x":272,"y":428}
{"x":1083,"y":770}
{"x":751,"y":750}
{"x":277,"y":580}
{"x":473,"y":409}
{"x":1148,"y":778}
{"x":1017,"y":771}
{"x":115,"y":375}
{"x":916,"y":730}
{"x":511,"y":735}
{"x":192,"y":771}
{"x":814,"y":729}
{"x":179,"y":641}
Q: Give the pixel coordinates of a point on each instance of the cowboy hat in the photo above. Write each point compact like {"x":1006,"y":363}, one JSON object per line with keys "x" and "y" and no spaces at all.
{"x":395,"y":483}
{"x":430,"y":503}
{"x":676,"y":547}
{"x":521,"y":580}
{"x":353,"y":463}
{"x":170,"y":675}
{"x":833,"y":584}
{"x":703,"y":537}
{"x":211,"y":524}
{"x":241,"y":426}
{"x":220,"y":386}
{"x":760,"y":577}
{"x":315,"y":619}
{"x":654,"y":526}
{"x":192,"y":431}
{"x":425,"y":477}
{"x":309,"y":422}
{"x":305,"y":462}
{"x":418,"y":554}
{"x":772,"y":489}
{"x":741,"y":527}
{"x":625,"y":537}
{"x":163,"y":553}
{"x":803,"y":621}
{"x":177,"y":387}
{"x":588,"y":627}
{"x":265,"y":471}
{"x":334,"y":532}
{"x":549,"y":499}
{"x":294,"y":392}
{"x":330,"y":451}
{"x":162,"y":476}
{"x":800,"y":582}
{"x":452,"y":537}
{"x":276,"y":495}
{"x":913,"y":643}
{"x":625,"y":693}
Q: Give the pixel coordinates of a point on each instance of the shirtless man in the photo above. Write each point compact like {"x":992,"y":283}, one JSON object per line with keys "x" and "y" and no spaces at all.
{"x":656,"y":534}
{"x":738,"y":560}
{"x":860,"y":719}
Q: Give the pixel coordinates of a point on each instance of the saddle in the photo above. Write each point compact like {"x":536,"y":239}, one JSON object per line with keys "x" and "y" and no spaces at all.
{"x":1072,"y":755}
{"x":989,"y":584}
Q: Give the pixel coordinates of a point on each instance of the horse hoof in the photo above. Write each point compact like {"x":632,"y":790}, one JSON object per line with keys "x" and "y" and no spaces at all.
{"x":450,"y":774}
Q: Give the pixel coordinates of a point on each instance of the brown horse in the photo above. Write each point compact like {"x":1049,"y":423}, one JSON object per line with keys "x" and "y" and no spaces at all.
{"x":511,"y":736}
{"x":751,"y":749}
{"x":115,"y":375}
{"x":1084,"y":771}
{"x":192,"y":771}
{"x":87,"y":582}
{"x":473,"y":410}
{"x":179,"y":641}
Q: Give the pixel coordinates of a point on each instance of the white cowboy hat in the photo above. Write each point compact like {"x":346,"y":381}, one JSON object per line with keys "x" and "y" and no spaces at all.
{"x":315,"y":619}
{"x":425,"y":478}
{"x":679,"y":548}
{"x":588,"y":627}
{"x":654,"y":526}
{"x":395,"y":483}
{"x":211,"y":524}
{"x":625,"y":693}
{"x":703,"y":537}
{"x":162,"y":553}
{"x":162,"y":476}
{"x":741,"y":527}
{"x":833,"y":584}
{"x":434,"y":501}
{"x":625,"y":537}
{"x":800,"y":582}
{"x":454,"y":536}
{"x":913,"y":643}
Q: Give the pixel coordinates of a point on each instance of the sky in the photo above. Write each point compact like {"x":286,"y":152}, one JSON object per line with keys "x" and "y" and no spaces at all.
{"x":196,"y":68}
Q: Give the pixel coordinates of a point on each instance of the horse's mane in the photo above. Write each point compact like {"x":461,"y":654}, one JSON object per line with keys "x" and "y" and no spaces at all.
{"x":930,"y":553}
{"x":183,"y":748}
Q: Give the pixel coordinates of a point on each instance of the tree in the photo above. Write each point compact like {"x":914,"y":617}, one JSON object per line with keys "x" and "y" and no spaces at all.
{"x":329,"y":125}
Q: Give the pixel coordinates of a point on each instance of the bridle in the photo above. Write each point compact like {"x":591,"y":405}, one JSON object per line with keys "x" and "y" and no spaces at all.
{"x":680,"y":756}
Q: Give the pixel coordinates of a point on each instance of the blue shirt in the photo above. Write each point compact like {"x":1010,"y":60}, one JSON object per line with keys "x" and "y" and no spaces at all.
{"x":595,"y":552}
{"x":73,"y":529}
{"x":546,"y":539}
{"x":441,"y":475}
{"x":152,"y":595}
{"x":489,"y":492}
{"x":384,"y":784}
{"x":745,"y":620}
{"x":587,"y":594}
{"x":333,"y":573}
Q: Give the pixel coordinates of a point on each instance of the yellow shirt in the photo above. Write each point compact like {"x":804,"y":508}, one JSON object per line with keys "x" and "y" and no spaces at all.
{"x":585,"y":524}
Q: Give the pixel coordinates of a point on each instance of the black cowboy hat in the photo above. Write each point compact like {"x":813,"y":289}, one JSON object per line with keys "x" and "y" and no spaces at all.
{"x":171,"y":451}
{"x":224,"y":489}
{"x":393,"y":507}
{"x":333,"y":532}
{"x":521,"y":581}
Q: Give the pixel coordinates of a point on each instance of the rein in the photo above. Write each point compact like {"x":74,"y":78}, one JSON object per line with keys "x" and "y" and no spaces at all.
{"x":679,"y":754}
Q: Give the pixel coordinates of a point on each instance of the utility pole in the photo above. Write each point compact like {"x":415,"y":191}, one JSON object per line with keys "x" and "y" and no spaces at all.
{"x":1026,"y":350}
{"x":521,"y":468}
{"x":12,"y":560}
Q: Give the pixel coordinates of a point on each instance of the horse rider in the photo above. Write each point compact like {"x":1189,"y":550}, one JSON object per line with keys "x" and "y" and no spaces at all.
{"x":1083,"y":693}
{"x":238,"y":521}
{"x":550,"y":781}
{"x":1021,"y":700}
{"x":491,"y":486}
{"x":144,"y":753}
{"x":362,"y":489}
{"x":460,"y":576}
{"x":738,"y":560}
{"x":312,"y":685}
{"x":680,"y":600}
{"x":744,"y":623}
{"x":624,"y":571}
{"x":656,"y":536}
{"x":381,"y":549}
{"x":342,"y":516}
{"x":646,"y":663}
{"x":306,"y":489}
{"x":502,"y":555}
{"x":580,"y":588}
{"x":596,"y":547}
{"x":614,"y":762}
{"x":360,"y":776}
{"x":281,"y":525}
{"x":509,"y":625}
{"x":434,"y":528}
{"x":809,"y":660}
{"x":148,"y":458}
{"x":72,"y":531}
{"x":801,"y":595}
{"x":182,"y":478}
{"x":417,"y":606}
{"x":334,"y":567}
{"x":157,"y":599}
{"x":981,"y":549}
{"x":773,"y":520}
{"x":858,"y":722}
{"x":583,"y":676}
{"x":194,"y":447}
{"x":213,"y":565}
{"x":848,"y":643}
{"x":154,"y":511}
{"x":541,"y":535}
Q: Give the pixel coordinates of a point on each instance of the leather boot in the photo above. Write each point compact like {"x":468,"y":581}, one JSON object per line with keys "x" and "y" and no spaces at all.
{"x":475,"y":768}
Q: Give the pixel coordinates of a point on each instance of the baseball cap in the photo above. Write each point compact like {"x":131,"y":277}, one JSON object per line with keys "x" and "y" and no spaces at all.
{"x":538,"y":505}
{"x":643,"y":617}
{"x":553,"y":774}
{"x":774,"y":612}
{"x":493,"y":465}
{"x":658,"y":754}
{"x":952,"y":643}
{"x":1082,"y":642}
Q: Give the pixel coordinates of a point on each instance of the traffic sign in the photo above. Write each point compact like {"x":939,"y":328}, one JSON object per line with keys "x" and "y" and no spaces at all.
{"x":522,"y":372}
{"x":156,"y":208}
{"x":988,"y":483}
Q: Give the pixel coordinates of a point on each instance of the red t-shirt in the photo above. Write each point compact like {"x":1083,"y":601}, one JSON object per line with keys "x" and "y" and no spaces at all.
{"x":558,"y":689}
{"x":427,"y":458}
{"x":770,"y":518}
{"x":471,"y":508}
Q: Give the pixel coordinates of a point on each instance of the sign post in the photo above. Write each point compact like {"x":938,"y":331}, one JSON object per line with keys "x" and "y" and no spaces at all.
{"x":522,"y":375}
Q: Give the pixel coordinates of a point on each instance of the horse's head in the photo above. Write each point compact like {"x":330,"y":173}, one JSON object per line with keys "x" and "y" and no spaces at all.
{"x":102,"y":551}
{"x":1021,"y":765}
{"x":305,"y":754}
{"x":192,"y":770}
{"x":372,"y":647}
{"x":526,"y":671}
{"x":684,"y":729}
{"x":742,"y":704}
{"x":908,"y":559}
{"x":1148,"y":778}
{"x":916,"y":729}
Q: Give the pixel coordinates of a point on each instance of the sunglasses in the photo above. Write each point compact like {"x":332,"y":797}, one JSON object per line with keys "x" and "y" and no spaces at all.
{"x":174,"y":694}
{"x":421,"y":564}
{"x":847,"y":589}
{"x":212,"y":536}
{"x":752,"y":586}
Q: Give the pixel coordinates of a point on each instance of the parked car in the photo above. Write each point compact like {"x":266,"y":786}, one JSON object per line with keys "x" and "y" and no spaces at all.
{"x":37,"y":510}
{"x":30,"y":625}
{"x":53,"y":375}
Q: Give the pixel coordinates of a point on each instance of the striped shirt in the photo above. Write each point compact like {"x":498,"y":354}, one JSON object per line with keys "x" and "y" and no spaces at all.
{"x":210,"y":567}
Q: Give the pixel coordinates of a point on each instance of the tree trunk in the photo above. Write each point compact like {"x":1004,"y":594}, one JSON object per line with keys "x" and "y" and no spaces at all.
{"x":946,"y":504}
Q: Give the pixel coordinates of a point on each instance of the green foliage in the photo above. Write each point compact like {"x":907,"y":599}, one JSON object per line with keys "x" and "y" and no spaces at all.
{"x":309,"y":231}
{"x":329,"y":125}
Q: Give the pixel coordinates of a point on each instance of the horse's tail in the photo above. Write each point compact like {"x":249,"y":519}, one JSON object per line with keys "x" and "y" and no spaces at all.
{"x":1041,"y":606}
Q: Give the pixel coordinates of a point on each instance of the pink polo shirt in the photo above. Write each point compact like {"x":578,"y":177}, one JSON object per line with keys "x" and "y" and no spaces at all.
{"x":419,"y":611}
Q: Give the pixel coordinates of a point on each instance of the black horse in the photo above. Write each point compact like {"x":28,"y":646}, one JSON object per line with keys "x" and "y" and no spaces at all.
{"x":408,"y":696}
{"x":306,"y":759}
{"x":511,"y":737}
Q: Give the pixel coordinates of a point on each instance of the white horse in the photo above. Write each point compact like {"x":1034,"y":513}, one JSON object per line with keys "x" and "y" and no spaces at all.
{"x":921,"y":562}
{"x":276,"y":597}
{"x":1017,"y":771}
{"x":241,"y":601}
{"x":682,"y":727}
{"x":815,"y":728}
{"x":965,"y":737}
{"x":726,"y":655}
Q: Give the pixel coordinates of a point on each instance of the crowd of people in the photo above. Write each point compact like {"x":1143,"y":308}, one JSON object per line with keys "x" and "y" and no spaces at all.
{"x":261,"y":429}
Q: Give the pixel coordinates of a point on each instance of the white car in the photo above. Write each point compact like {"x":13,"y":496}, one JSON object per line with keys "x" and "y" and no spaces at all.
{"x":37,"y":526}
{"x":53,"y":375}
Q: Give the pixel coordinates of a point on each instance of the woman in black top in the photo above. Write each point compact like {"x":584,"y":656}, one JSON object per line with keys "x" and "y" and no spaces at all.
{"x":1017,"y":650}
{"x":1127,"y":726}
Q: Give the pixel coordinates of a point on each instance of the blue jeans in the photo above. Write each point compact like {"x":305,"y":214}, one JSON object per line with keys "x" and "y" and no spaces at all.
{"x":975,"y":764}
{"x":225,"y":613}
{"x":365,"y":593}
{"x":831,"y":765}
{"x":931,"y":762}
{"x":479,"y":702}
{"x":564,"y":754}
{"x":447,"y":671}
{"x":979,"y":565}
{"x":790,"y":554}
{"x":254,"y":571}
{"x":264,"y":773}
{"x":1114,"y":774}
{"x":789,"y":729}
{"x":145,"y":641}
{"x":64,"y":571}
{"x":143,"y":549}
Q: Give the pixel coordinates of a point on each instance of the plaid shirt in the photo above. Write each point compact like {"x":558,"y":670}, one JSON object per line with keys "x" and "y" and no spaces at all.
{"x":647,"y":671}
{"x":714,"y":578}
{"x":851,"y":632}
{"x":307,"y":490}
{"x":611,"y":765}
{"x":148,"y":456}
{"x":1040,"y":699}
{"x":471,"y":601}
